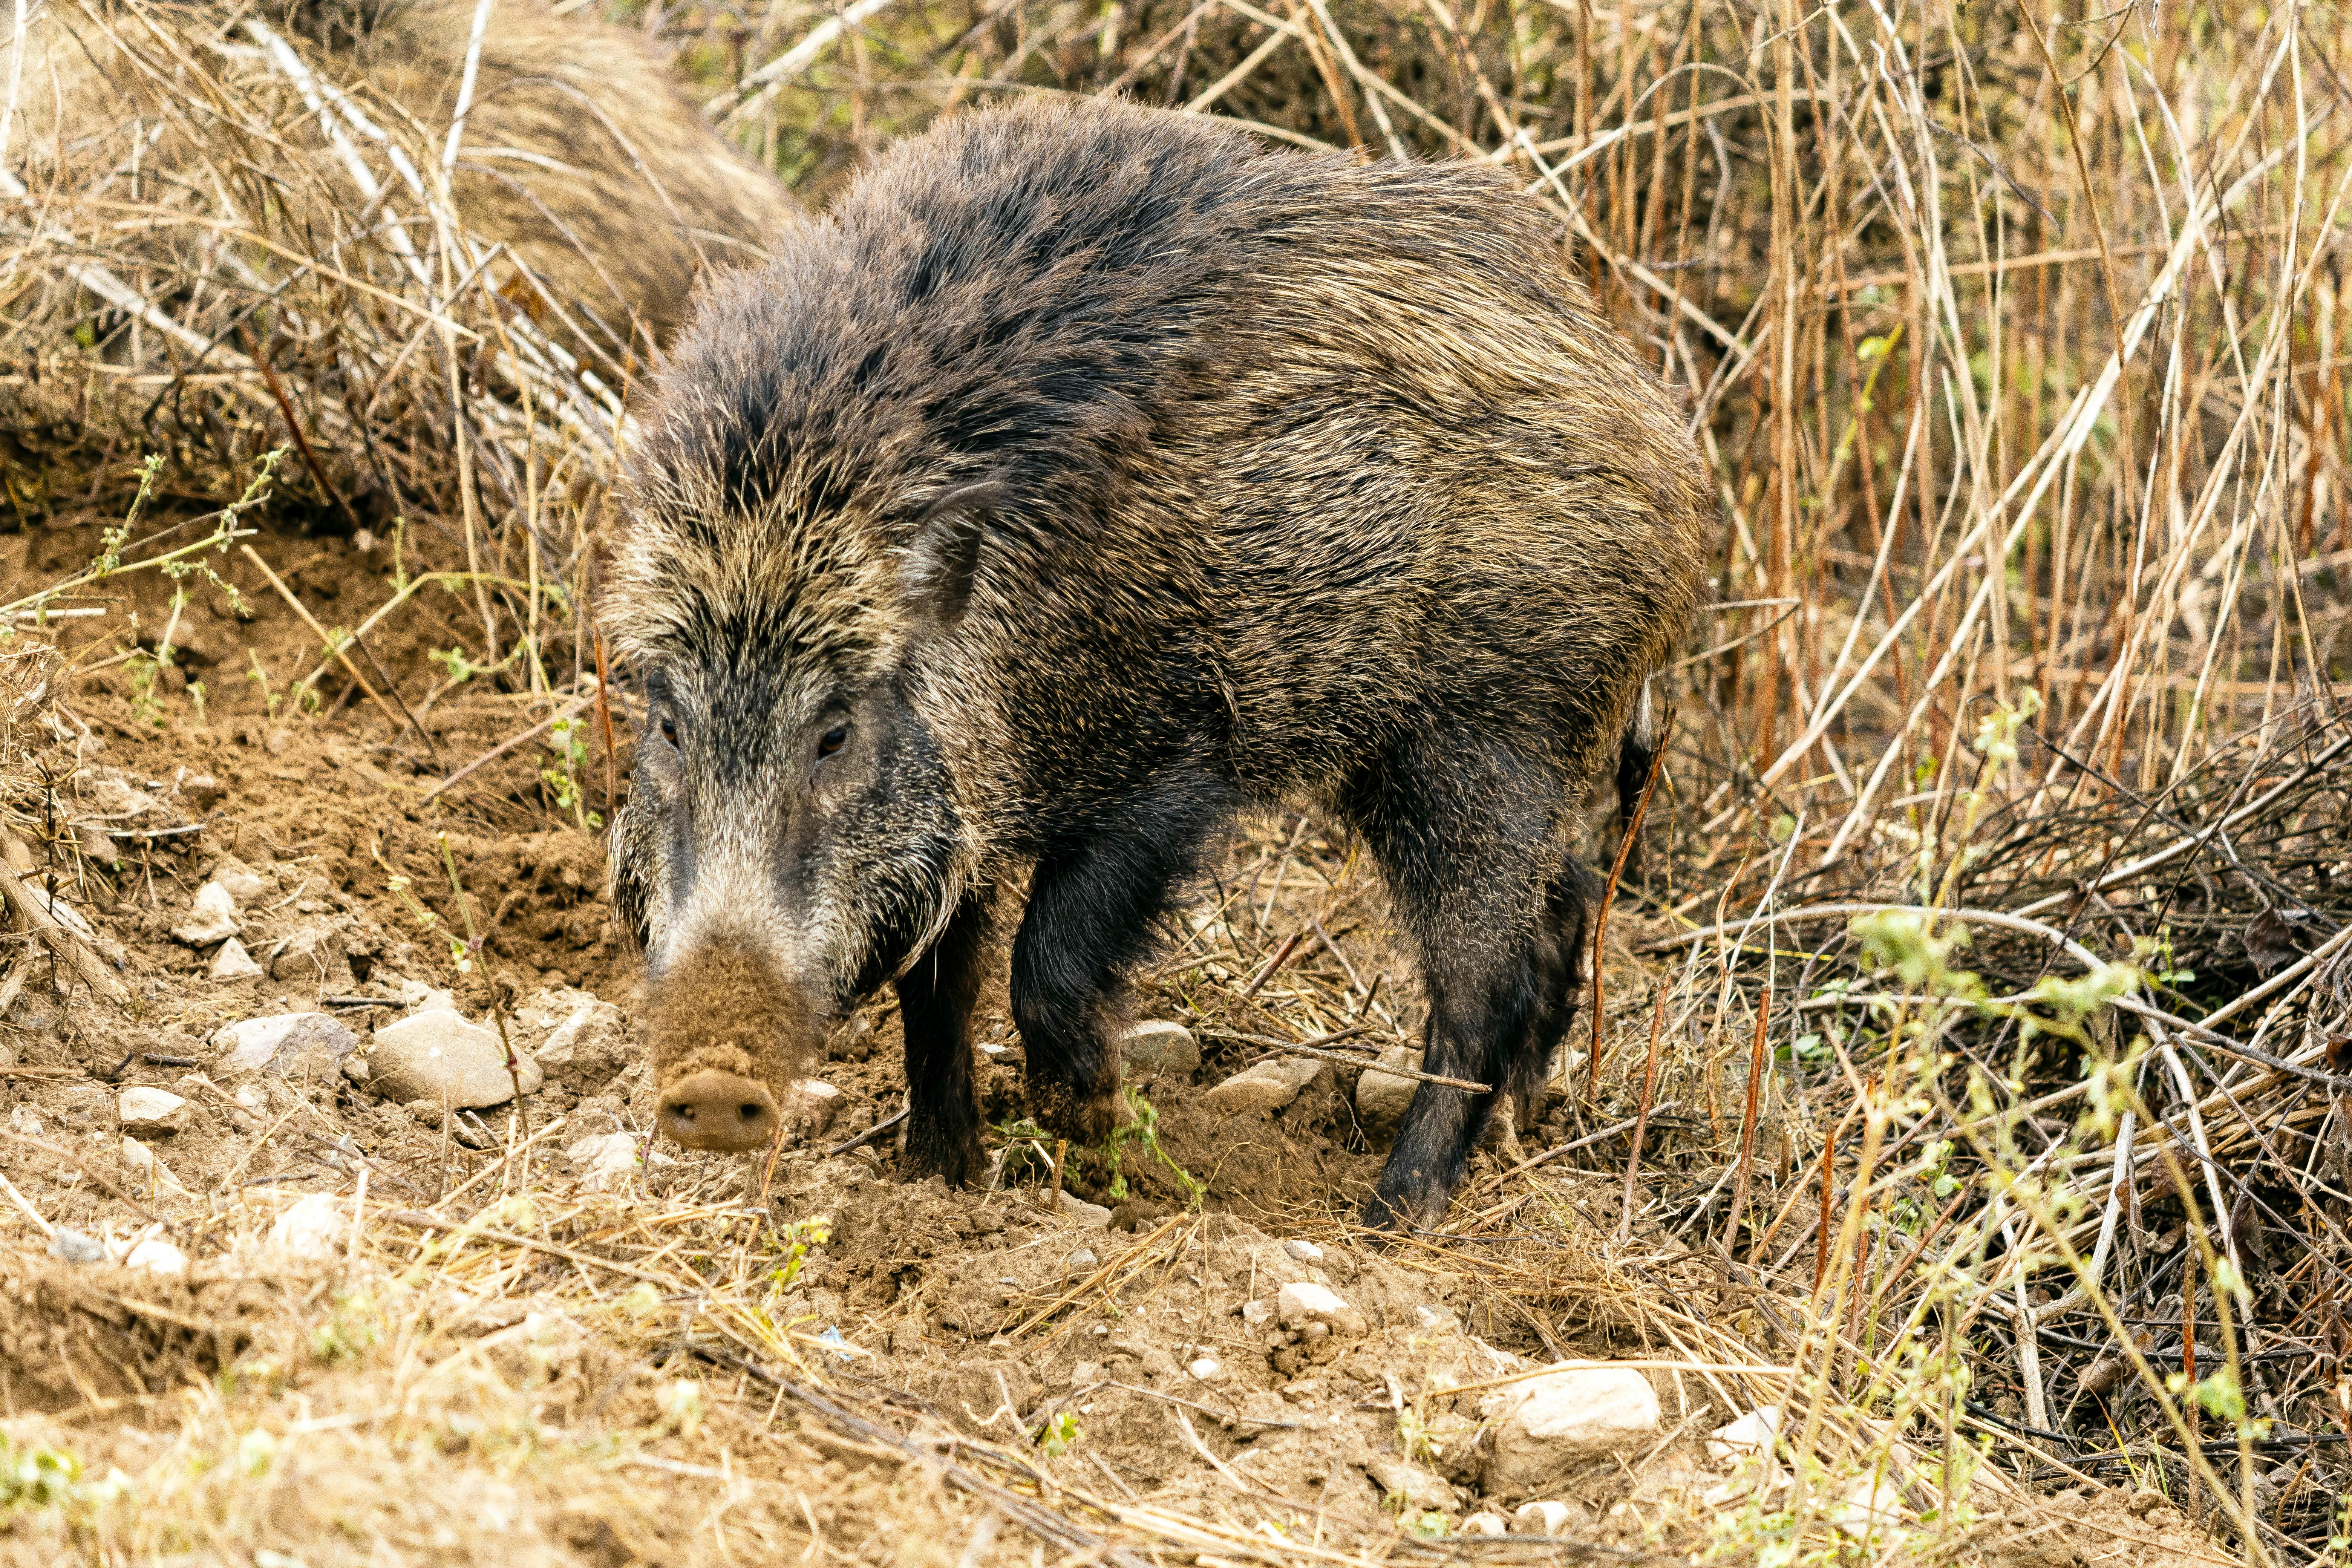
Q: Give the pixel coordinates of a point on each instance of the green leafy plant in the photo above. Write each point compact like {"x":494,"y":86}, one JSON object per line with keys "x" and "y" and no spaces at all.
{"x":178,"y":562}
{"x":792,"y":1244}
{"x":353,"y":1329}
{"x":1143,"y":1131}
{"x":561,"y":776}
{"x":260,"y":678}
{"x":1058,"y":1436}
{"x":35,"y":1476}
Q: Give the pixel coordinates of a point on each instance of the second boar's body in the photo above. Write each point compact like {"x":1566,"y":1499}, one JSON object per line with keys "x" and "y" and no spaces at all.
{"x":1089,"y":476}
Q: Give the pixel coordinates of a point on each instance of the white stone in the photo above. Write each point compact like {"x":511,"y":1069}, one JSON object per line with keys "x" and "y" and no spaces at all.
{"x":587,"y":1047}
{"x":1205,"y":1369}
{"x":419,"y":997}
{"x":1302,"y":1305}
{"x":1089,"y":1216}
{"x":1081,"y":1263}
{"x":609,"y":1160}
{"x":1256,"y":1315}
{"x":212,"y":917}
{"x":153,"y":1255}
{"x":145,"y":1169}
{"x":1565,"y":1419}
{"x":1304,"y":1251}
{"x":200,"y":790}
{"x":285,"y":1044}
{"x":1159,"y":1047}
{"x":244,"y":883}
{"x":151,"y":1112}
{"x":812,"y":1105}
{"x":1545,"y":1518}
{"x":313,"y":953}
{"x":1485,"y":1523}
{"x":314,"y":1227}
{"x":1399,"y":1478}
{"x":233,"y":962}
{"x":1381,"y":1097}
{"x":424,"y":1053}
{"x":1269,"y":1086}
{"x":1751,"y":1434}
{"x":1866,"y":1506}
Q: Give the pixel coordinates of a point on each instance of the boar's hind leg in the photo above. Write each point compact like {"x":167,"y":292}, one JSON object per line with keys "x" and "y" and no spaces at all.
{"x":1472,"y":842}
{"x":1089,"y":921}
{"x":935,"y":1002}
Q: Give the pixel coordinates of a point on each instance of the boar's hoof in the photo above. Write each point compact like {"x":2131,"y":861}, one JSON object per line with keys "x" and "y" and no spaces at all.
{"x":1085,"y":1119}
{"x":713,"y":1109}
{"x":1401,"y":1212}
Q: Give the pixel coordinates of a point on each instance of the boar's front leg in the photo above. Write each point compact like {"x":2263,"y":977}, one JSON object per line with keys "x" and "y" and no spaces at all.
{"x":935,"y":1001}
{"x":1089,"y":921}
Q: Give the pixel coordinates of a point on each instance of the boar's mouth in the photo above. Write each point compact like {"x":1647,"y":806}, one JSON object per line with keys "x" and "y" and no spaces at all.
{"x":725,"y":1040}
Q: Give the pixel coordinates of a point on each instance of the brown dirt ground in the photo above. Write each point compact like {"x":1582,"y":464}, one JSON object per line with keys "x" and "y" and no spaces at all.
{"x":408,"y":1405}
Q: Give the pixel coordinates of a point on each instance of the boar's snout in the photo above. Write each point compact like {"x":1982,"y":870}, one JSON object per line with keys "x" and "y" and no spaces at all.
{"x":726,"y":1036}
{"x":713,"y":1109}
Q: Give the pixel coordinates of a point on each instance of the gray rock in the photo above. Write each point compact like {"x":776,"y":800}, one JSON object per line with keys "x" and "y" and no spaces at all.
{"x":812,"y":1105}
{"x":74,"y":1247}
{"x":1564,"y":1420}
{"x":233,"y":962}
{"x":1079,"y":1264}
{"x":1269,"y":1086}
{"x":288,"y":1043}
{"x":1549,"y":1516}
{"x":419,"y":997}
{"x":1150,"y":1049}
{"x":97,"y":844}
{"x":1303,"y":1304}
{"x":1399,"y":1478}
{"x":1091,"y":1216}
{"x":315,"y":952}
{"x":609,"y":1160}
{"x":1485,"y":1523}
{"x":587,"y":1045}
{"x":153,"y":1112}
{"x":1304,"y":1251}
{"x":244,"y":883}
{"x":315,"y":1227}
{"x":146,"y":1171}
{"x":212,"y":917}
{"x":1381,"y":1097}
{"x":201,"y":790}
{"x":424,"y":1053}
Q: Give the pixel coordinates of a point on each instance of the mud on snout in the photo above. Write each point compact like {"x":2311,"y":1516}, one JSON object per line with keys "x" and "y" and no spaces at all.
{"x":726,"y":1036}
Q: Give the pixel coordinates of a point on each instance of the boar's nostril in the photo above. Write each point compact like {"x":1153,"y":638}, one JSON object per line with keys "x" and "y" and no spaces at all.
{"x":697,"y":1111}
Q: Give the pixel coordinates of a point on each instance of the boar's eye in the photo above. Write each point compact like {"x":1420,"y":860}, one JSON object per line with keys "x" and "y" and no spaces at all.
{"x":832,"y":740}
{"x":669,"y":730}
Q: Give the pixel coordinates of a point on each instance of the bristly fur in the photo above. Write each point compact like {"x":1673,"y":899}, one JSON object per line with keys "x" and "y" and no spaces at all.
{"x":1300,"y":477}
{"x":720,"y":1008}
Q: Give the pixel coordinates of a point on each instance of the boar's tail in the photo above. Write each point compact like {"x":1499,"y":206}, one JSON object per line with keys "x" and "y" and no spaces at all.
{"x":1637,"y":753}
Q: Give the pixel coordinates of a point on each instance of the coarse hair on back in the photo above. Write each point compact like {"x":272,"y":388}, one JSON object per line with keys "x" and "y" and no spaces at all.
{"x":1032,"y":297}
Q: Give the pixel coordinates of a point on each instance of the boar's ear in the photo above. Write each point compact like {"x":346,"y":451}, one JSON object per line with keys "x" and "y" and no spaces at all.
{"x":945,"y":555}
